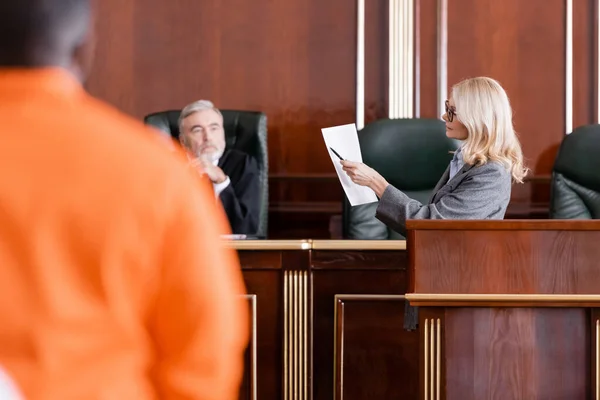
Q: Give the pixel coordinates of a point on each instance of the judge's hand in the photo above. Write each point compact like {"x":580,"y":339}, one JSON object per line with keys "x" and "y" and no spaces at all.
{"x":364,"y":175}
{"x":205,"y":167}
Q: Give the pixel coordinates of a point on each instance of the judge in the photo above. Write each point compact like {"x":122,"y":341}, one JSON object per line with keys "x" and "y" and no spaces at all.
{"x":234,"y":174}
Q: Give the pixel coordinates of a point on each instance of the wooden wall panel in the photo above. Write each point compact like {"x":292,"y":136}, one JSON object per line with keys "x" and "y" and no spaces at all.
{"x":113,"y":72}
{"x":543,"y":262}
{"x":249,"y":385}
{"x":595,"y":350}
{"x":492,"y":350}
{"x":356,"y":273}
{"x":265,"y":284}
{"x":427,"y":51}
{"x":295,"y":347}
{"x":294,"y":60}
{"x":584,"y":62}
{"x":374,"y":356}
{"x":376,"y":59}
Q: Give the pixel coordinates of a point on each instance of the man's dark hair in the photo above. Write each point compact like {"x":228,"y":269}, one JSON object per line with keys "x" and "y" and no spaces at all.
{"x":41,"y":32}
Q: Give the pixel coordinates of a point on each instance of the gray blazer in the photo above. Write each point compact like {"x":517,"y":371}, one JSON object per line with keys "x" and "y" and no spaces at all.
{"x":475,"y":192}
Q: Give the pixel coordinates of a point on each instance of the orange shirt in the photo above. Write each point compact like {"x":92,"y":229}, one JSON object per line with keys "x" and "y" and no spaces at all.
{"x":113,"y":281}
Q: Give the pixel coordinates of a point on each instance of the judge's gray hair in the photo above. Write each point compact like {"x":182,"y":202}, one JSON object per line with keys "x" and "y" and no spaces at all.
{"x":197,"y":106}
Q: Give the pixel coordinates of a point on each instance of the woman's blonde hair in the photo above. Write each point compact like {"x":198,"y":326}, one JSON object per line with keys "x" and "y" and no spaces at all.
{"x":483,"y":107}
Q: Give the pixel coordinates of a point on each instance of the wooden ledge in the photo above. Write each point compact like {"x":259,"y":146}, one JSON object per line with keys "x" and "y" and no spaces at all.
{"x":503,"y":300}
{"x":309,"y":244}
{"x":507,"y":224}
{"x":270,"y":244}
{"x":359,"y":245}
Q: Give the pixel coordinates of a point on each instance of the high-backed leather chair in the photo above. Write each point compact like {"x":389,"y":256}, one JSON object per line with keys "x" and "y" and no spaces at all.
{"x":575,"y":192}
{"x":412,"y":155}
{"x":244,"y":131}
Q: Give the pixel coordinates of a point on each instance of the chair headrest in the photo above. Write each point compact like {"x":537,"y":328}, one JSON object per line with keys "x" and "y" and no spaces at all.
{"x":166,"y":121}
{"x":578,"y":157}
{"x":411,"y":154}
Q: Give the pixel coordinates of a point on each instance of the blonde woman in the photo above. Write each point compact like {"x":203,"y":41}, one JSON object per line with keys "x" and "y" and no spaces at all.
{"x":477,"y":183}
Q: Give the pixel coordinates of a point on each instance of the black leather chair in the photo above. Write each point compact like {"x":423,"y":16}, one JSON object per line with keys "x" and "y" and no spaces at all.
{"x":412,"y":155}
{"x":575,"y":192}
{"x":244,"y":131}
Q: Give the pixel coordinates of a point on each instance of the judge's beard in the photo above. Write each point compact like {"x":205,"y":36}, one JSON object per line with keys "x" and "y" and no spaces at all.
{"x":210,"y":157}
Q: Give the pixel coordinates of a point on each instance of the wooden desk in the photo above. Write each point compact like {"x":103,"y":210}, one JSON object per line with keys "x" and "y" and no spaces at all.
{"x":328,"y":318}
{"x":508,"y":309}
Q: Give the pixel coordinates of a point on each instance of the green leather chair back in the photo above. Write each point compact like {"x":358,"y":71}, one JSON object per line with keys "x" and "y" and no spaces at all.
{"x":575,"y":192}
{"x":244,"y":131}
{"x":412,"y":155}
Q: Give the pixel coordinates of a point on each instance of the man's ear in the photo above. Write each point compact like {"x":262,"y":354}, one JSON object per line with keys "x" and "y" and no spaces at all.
{"x":83,"y":54}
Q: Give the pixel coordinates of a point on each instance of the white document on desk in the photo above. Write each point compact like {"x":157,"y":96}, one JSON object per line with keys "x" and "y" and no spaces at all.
{"x":344,"y":140}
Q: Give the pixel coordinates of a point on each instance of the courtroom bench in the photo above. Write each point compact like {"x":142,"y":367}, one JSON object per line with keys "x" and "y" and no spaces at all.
{"x":327,"y":320}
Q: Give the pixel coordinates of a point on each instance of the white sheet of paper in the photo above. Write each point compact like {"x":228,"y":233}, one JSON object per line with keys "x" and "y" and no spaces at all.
{"x":344,"y":140}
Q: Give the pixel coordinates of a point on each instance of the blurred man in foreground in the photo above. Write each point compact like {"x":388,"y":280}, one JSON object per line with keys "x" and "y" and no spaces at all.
{"x":113,"y":281}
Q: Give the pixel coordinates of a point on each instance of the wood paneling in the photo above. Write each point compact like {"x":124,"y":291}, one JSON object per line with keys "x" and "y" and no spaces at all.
{"x":370,"y":336}
{"x":595,"y":350}
{"x":491,"y":349}
{"x":295,"y":334}
{"x":507,"y":353}
{"x":376,"y":58}
{"x":584,"y":62}
{"x":267,"y":286}
{"x":355,"y":306}
{"x":248,"y":388}
{"x":374,"y":356}
{"x":358,"y":273}
{"x":545,"y":262}
{"x":427,"y":11}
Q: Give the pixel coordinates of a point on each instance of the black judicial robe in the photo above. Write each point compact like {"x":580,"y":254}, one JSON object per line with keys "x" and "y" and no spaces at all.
{"x":241,"y":198}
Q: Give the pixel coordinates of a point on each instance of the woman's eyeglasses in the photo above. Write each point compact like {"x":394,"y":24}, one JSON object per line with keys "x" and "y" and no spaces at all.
{"x":450,"y":112}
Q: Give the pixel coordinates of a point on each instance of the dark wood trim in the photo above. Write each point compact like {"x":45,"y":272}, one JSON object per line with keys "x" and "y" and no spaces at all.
{"x":410,"y":244}
{"x":503,"y":225}
{"x":320,"y":207}
{"x":311,"y":329}
{"x":332,"y":176}
{"x":304,"y":177}
{"x":340,"y":325}
{"x":527,"y":210}
{"x":538,"y":178}
{"x":338,"y":348}
{"x":335,"y":207}
{"x":417,"y":59}
{"x":595,"y":352}
{"x":595,"y":61}
{"x":506,"y":304}
{"x":249,"y":388}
